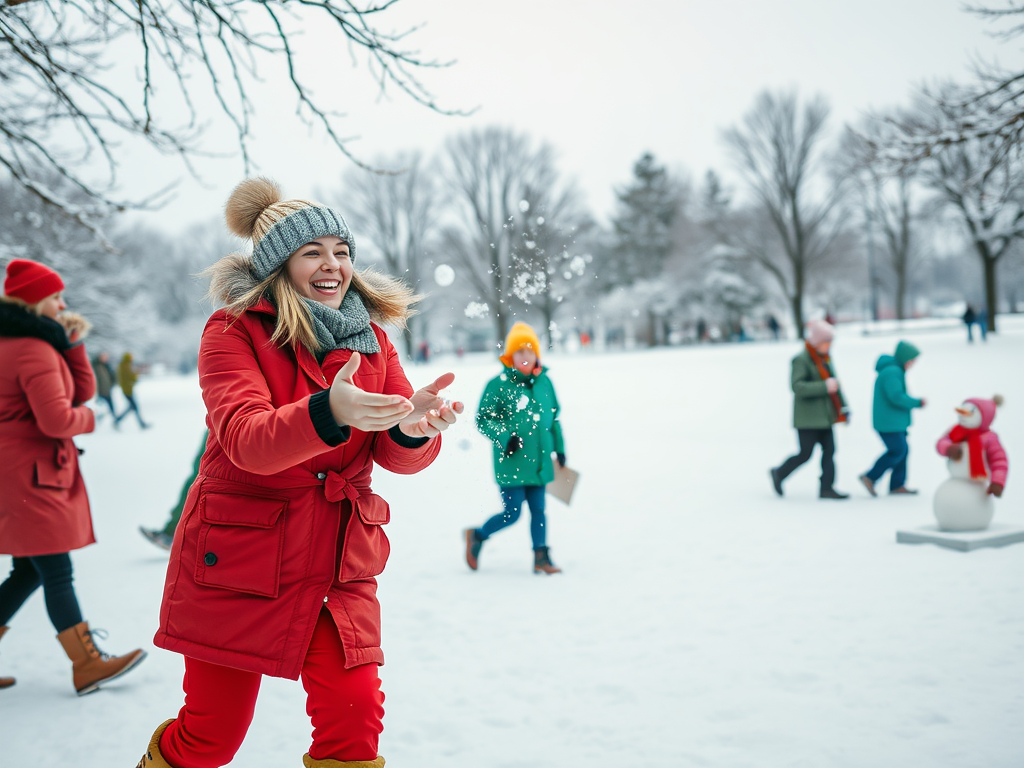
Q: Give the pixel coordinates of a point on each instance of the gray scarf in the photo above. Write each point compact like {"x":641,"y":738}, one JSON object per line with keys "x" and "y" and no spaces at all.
{"x":345,"y":328}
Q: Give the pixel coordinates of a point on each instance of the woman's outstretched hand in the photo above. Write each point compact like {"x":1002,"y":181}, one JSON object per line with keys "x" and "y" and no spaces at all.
{"x":431,"y":415}
{"x":366,"y":411}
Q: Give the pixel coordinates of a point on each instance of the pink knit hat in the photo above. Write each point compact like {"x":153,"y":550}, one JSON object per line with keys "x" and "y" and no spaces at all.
{"x":818,"y":332}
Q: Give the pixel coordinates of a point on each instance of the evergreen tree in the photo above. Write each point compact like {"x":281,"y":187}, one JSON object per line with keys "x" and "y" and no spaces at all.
{"x":642,"y":240}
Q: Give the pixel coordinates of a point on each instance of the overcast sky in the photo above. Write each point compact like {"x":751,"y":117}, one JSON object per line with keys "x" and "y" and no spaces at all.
{"x":601,"y":81}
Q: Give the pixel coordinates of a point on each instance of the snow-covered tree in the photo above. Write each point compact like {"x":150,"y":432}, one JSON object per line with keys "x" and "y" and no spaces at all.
{"x":792,"y":225}
{"x":64,"y":100}
{"x":491,"y":176}
{"x":646,"y":208}
{"x":984,"y":184}
{"x":400,"y":216}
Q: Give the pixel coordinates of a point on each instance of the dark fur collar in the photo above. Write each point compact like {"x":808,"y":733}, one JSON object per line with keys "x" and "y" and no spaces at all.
{"x":18,"y":323}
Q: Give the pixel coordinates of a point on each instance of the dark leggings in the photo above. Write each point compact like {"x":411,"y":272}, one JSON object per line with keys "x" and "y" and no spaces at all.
{"x":808,"y":439}
{"x":55,"y":574}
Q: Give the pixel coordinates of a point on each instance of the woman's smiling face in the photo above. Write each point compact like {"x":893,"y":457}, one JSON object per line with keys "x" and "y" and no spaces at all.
{"x":321,"y":270}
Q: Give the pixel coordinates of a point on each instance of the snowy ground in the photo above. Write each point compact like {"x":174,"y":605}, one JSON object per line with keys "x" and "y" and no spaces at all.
{"x":701,"y":621}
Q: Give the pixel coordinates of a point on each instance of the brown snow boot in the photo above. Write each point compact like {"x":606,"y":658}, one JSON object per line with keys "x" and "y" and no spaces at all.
{"x":542,"y":562}
{"x":5,"y":682}
{"x":89,"y":665}
{"x":309,"y":762}
{"x":153,"y":758}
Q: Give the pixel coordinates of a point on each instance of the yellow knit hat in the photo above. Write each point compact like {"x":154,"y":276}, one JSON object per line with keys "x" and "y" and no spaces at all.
{"x":520,"y":336}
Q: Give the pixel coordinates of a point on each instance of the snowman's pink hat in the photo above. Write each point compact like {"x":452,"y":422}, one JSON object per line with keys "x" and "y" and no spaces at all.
{"x":987,"y":408}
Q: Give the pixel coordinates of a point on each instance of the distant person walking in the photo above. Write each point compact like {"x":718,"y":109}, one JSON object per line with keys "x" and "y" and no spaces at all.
{"x":818,"y":403}
{"x":164,"y":537}
{"x":104,"y":374}
{"x":774,"y":327}
{"x":979,"y":318}
{"x":519,"y":413}
{"x":44,"y":509}
{"x":891,"y":417}
{"x":126,"y":378}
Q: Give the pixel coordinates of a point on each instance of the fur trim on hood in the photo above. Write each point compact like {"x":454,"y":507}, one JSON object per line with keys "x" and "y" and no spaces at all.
{"x":17,"y":322}
{"x":231,"y":278}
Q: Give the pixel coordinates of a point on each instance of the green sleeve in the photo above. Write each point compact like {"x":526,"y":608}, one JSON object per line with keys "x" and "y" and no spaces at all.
{"x":492,"y":414}
{"x":805,"y":382}
{"x":895,"y":392}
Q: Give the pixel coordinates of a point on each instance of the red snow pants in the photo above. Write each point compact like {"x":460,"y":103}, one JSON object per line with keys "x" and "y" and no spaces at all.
{"x":346,"y":707}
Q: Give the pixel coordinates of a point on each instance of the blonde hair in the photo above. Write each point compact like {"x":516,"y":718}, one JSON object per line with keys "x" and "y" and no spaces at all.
{"x":35,"y":309}
{"x":233,"y":284}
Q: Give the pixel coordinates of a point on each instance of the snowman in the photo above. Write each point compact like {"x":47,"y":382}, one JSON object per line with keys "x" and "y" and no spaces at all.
{"x":977,"y":468}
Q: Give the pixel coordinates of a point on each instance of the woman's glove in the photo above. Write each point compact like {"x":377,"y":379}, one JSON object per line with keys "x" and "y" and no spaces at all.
{"x":514,"y":444}
{"x":560,"y":458}
{"x":76,"y":326}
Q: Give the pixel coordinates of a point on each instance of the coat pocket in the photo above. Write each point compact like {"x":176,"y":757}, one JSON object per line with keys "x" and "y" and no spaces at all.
{"x":241,"y":540}
{"x":58,"y":472}
{"x":366,"y":548}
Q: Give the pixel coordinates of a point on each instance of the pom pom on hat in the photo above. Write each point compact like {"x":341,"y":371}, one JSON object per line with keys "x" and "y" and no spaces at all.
{"x":818,"y":332}
{"x":998,"y":400}
{"x":31,"y":281}
{"x":248,"y":202}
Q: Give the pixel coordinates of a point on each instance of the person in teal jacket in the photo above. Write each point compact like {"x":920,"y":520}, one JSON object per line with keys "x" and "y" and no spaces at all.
{"x":891,"y":418}
{"x":518,"y":412}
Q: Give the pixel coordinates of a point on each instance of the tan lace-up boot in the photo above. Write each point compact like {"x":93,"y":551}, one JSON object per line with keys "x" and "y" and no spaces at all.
{"x":153,"y":758}
{"x":91,"y":667}
{"x":309,"y":762}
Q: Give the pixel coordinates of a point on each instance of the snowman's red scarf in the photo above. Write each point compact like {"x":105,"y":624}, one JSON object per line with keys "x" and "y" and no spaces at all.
{"x":973,"y":437}
{"x":824,"y":363}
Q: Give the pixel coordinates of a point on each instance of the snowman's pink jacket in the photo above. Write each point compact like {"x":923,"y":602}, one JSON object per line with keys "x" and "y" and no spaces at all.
{"x":992,"y":449}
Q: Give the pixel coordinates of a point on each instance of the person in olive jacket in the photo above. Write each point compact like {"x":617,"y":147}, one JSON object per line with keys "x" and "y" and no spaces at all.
{"x":519,"y":413}
{"x":818,"y":403}
{"x":891,"y":418}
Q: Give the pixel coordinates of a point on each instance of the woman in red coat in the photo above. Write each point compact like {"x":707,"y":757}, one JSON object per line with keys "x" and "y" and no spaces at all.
{"x":44,"y":509}
{"x":273,"y":563}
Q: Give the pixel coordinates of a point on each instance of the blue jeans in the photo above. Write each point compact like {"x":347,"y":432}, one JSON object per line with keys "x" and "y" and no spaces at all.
{"x":894,"y":458}
{"x":512,"y":497}
{"x":55,"y":574}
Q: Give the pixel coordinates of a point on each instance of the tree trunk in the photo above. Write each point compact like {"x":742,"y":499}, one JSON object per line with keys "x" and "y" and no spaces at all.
{"x":901,"y":293}
{"x":798,"y":315}
{"x":500,"y":325}
{"x":991,"y":295}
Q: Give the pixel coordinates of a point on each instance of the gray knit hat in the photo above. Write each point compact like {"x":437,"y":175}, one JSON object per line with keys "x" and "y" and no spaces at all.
{"x":279,"y":227}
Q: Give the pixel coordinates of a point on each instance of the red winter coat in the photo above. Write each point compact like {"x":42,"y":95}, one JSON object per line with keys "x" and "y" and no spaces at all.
{"x":278,"y":523}
{"x":44,"y":509}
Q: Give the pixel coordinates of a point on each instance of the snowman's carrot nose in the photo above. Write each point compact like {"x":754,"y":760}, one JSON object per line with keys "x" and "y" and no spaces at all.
{"x":962,"y":411}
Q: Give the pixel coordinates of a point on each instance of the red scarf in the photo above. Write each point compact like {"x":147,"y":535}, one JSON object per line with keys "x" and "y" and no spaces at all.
{"x":824,"y":365}
{"x":973,"y":437}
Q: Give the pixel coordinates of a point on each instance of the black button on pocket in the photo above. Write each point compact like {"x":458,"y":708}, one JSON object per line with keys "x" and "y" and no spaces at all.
{"x":210,"y":559}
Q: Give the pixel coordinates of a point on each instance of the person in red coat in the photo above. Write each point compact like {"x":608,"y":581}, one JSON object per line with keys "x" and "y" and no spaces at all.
{"x":272,"y":567}
{"x":44,"y":509}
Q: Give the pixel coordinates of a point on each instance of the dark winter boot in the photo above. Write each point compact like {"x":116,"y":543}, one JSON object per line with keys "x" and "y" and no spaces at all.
{"x":776,"y":480}
{"x":542,"y":561}
{"x":473,"y":546}
{"x":903,"y":491}
{"x":309,"y":762}
{"x":91,"y":667}
{"x":832,"y":493}
{"x":5,"y":682}
{"x":153,"y":758}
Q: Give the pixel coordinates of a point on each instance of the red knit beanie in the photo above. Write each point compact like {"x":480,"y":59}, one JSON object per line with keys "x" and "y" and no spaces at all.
{"x":31,"y":281}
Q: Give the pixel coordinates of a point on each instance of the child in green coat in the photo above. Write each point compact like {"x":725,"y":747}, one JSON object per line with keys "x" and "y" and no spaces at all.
{"x":519,"y":413}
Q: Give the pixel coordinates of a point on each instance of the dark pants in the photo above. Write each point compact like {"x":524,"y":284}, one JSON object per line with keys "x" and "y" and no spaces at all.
{"x":132,"y":406}
{"x":808,"y":438}
{"x":894,"y":458}
{"x":172,"y":524}
{"x":512,"y":498}
{"x":110,"y":404}
{"x":55,"y":574}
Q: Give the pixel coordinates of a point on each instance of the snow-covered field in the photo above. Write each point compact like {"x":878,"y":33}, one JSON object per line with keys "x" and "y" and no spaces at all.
{"x":700,"y":621}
